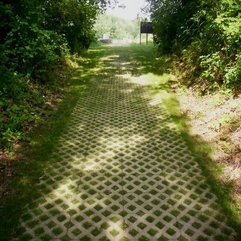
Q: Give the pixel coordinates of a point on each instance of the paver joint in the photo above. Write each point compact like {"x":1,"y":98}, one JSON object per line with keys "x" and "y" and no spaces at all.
{"x":121,"y":171}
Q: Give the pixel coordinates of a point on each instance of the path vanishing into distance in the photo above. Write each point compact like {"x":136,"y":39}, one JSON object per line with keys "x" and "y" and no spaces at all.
{"x":121,"y":170}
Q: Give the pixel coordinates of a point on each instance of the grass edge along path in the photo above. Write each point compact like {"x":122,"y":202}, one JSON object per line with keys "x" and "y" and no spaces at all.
{"x":34,"y":156}
{"x":29,"y":171}
{"x":202,"y":153}
{"x":46,"y":136}
{"x":201,"y":150}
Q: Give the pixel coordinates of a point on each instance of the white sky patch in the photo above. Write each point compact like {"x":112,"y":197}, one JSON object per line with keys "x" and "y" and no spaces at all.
{"x":130,"y":12}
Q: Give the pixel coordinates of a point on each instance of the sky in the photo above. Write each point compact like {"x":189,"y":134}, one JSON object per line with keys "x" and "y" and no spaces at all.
{"x":133,"y":7}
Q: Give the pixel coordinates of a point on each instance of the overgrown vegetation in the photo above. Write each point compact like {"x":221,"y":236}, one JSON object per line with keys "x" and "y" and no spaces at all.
{"x":18,"y":179}
{"x":205,"y":35}
{"x":35,"y":37}
{"x":142,"y":65}
{"x":203,"y":41}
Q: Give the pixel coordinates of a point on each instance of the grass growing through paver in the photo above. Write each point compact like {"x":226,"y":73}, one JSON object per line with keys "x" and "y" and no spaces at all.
{"x":43,"y":141}
{"x":158,"y":83}
{"x":202,"y":153}
{"x":154,"y":70}
{"x":159,"y":66}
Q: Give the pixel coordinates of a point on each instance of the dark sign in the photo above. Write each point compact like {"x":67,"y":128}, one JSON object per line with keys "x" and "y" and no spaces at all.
{"x":146,"y":27}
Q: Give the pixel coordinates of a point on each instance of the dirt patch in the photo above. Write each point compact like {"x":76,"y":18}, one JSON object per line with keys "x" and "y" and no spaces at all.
{"x":216,"y":118}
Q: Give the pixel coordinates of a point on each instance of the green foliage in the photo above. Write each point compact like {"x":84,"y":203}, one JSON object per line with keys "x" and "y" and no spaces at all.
{"x":233,"y":74}
{"x":116,"y":27}
{"x":206,"y":35}
{"x":171,"y":19}
{"x":18,"y":104}
{"x":31,"y":48}
{"x":74,"y":20}
{"x":36,"y":36}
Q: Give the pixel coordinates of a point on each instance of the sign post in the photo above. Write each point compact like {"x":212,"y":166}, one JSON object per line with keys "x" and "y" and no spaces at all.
{"x":146,"y":27}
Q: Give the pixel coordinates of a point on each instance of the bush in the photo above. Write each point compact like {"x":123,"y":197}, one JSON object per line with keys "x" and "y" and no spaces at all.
{"x":35,"y":35}
{"x":207,"y":31}
{"x":31,"y":49}
{"x":16,"y":106}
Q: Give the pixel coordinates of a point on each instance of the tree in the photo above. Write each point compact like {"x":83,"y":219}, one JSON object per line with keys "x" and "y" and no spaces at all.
{"x":117,"y":28}
{"x":205,"y":32}
{"x":36,"y":35}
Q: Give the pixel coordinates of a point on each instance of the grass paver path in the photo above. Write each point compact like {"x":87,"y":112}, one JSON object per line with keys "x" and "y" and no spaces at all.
{"x":121,"y":170}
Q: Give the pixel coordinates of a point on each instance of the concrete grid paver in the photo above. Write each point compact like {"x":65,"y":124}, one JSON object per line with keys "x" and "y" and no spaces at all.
{"x":121,"y":171}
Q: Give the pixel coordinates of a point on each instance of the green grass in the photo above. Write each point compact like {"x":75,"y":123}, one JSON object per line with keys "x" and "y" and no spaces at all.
{"x":154,"y":71}
{"x":37,"y":153}
{"x":202,"y":153}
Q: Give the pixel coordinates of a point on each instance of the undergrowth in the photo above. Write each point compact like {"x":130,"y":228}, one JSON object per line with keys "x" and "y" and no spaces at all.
{"x":25,"y":103}
{"x":204,"y":35}
{"x":32,"y":155}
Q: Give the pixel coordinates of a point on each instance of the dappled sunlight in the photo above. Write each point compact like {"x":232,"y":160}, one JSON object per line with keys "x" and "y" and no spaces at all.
{"x":90,"y":166}
{"x":156,"y":99}
{"x":151,"y":79}
{"x":85,"y":165}
{"x":110,"y":57}
{"x":128,"y":63}
{"x":127,"y":91}
{"x":159,"y":97}
{"x":141,"y":80}
{"x":124,"y":75}
{"x":117,"y":141}
{"x":117,"y":228}
{"x":64,"y":189}
{"x":96,"y":50}
{"x":94,"y":162}
{"x":107,"y":149}
{"x":121,"y":170}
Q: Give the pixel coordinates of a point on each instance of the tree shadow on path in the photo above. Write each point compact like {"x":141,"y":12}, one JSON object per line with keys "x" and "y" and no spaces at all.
{"x":121,"y":169}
